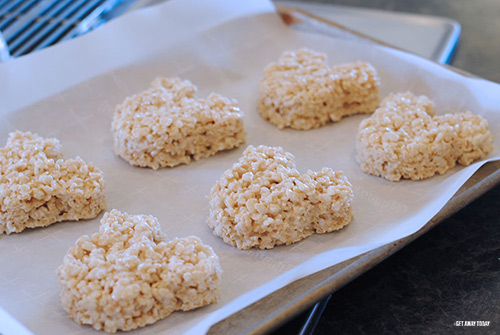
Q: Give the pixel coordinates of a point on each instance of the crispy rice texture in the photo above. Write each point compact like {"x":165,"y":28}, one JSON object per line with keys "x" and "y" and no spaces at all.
{"x":128,"y":275}
{"x":301,"y":91}
{"x":167,"y":125}
{"x":38,"y":187}
{"x":263,"y":201}
{"x":404,"y":139}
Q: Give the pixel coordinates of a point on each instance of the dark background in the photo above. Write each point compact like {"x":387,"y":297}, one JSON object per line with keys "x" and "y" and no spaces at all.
{"x":451,"y":273}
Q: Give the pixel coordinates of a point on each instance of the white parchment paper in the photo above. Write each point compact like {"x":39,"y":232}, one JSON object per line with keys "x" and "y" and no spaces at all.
{"x":70,"y":91}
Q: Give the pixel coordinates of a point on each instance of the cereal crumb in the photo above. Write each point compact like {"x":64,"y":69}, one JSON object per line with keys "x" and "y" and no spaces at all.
{"x":404,"y":139}
{"x":38,"y":187}
{"x":302,"y":92}
{"x":167,"y":125}
{"x":128,"y":275}
{"x":263,"y":201}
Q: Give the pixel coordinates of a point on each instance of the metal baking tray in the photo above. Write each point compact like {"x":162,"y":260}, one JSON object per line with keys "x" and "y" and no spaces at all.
{"x":285,"y":303}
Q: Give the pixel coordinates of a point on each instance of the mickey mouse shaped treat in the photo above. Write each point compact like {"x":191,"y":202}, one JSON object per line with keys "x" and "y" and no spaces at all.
{"x":167,"y":125}
{"x":404,"y":139}
{"x":38,"y":187}
{"x":263,"y":201}
{"x":128,"y":275}
{"x":301,"y":91}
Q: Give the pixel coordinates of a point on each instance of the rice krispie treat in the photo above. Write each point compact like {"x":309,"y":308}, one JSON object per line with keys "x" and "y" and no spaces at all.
{"x":301,"y":91}
{"x":167,"y":125}
{"x":263,"y":201}
{"x":404,"y":139}
{"x":128,"y":275}
{"x":38,"y":187}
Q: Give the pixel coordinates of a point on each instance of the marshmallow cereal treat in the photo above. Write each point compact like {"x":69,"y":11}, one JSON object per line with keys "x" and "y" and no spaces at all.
{"x":166,"y":125}
{"x":301,"y":91}
{"x":263,"y":201}
{"x":127,"y":275}
{"x":404,"y":139}
{"x":38,"y":187}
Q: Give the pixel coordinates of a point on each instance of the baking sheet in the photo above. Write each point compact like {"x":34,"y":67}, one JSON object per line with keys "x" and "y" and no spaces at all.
{"x":224,"y":51}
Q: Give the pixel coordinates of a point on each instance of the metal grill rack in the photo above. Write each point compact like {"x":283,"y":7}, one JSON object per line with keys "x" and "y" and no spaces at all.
{"x":30,"y":25}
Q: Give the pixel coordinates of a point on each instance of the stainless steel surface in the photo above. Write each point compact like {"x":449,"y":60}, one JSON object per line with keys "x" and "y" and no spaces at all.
{"x":429,"y":36}
{"x":4,"y":50}
{"x":31,"y":25}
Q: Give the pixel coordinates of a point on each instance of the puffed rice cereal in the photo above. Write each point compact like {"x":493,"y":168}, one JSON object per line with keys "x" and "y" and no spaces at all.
{"x":38,"y":187}
{"x":404,"y":139}
{"x":301,"y":91}
{"x":128,"y":275}
{"x":263,"y":201}
{"x":167,"y":125}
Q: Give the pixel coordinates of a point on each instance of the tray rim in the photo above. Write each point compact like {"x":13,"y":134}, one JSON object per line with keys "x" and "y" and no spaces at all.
{"x":441,"y":54}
